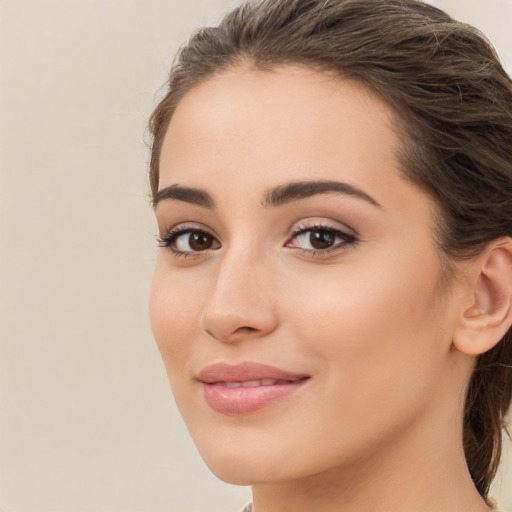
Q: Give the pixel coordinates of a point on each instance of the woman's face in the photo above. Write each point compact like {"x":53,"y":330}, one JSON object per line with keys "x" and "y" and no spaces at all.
{"x":298,"y":299}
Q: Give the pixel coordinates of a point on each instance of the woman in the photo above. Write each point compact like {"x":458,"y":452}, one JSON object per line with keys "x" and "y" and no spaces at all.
{"x":332,"y":182}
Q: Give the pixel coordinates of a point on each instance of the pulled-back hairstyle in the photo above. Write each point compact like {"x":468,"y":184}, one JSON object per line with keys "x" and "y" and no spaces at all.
{"x":454,"y":106}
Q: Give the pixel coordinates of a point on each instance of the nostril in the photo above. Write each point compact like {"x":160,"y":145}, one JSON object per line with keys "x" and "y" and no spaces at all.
{"x":236,"y":321}
{"x":244,"y":329}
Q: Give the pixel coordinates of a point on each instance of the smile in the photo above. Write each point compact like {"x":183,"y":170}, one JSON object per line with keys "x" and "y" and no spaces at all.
{"x":247,"y":387}
{"x":252,"y":383}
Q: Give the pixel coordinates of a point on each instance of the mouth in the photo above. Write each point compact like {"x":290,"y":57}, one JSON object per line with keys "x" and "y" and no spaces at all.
{"x":247,"y":387}
{"x":251,"y":383}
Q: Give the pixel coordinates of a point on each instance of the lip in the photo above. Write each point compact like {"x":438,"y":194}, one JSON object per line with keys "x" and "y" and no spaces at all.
{"x":247,"y":387}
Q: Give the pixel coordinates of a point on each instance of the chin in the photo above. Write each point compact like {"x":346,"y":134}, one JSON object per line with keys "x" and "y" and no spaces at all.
{"x":249,"y":473}
{"x":239,"y":469}
{"x":244,"y":461}
{"x":245,"y":477}
{"x":260,"y":459}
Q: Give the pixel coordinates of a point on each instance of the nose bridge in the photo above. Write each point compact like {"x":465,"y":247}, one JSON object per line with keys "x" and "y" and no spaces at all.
{"x":240,"y":304}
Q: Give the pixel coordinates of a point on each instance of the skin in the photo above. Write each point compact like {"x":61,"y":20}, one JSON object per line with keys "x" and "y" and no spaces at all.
{"x":377,"y":426}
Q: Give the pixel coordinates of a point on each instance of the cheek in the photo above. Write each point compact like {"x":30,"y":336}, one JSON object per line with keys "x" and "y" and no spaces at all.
{"x":376,"y":332}
{"x":174,"y":314}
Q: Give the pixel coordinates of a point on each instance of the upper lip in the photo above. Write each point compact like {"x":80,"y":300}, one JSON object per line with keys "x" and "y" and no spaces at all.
{"x":245,"y":371}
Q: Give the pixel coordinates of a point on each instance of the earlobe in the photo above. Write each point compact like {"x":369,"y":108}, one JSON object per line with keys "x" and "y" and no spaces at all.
{"x":489,"y":317}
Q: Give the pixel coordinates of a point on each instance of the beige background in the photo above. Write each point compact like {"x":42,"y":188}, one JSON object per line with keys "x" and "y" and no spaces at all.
{"x":87,"y":422}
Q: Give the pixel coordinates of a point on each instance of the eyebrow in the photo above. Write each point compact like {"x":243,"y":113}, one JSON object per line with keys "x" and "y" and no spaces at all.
{"x":275,"y":197}
{"x":186,"y":194}
{"x":304,"y":189}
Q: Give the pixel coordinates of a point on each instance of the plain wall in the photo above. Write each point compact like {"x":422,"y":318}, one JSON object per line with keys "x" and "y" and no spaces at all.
{"x":87,"y":421}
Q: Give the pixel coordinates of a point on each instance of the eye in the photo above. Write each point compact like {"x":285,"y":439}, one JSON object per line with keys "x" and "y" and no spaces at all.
{"x":186,"y":241}
{"x":320,"y":239}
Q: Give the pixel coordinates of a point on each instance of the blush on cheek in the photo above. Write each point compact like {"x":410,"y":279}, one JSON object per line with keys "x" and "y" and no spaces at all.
{"x":168,"y":316}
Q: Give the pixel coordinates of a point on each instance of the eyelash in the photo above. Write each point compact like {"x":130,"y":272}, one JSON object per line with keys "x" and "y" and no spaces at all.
{"x":170,"y":238}
{"x":348,"y":240}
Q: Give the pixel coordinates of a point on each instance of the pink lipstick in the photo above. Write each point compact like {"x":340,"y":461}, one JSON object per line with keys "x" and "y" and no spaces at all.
{"x":246,"y":387}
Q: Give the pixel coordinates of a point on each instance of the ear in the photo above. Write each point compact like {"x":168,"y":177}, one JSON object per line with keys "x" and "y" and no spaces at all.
{"x":484,"y":323}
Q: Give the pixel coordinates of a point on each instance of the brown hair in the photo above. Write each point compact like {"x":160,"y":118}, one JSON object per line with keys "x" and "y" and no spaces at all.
{"x":454,"y":102}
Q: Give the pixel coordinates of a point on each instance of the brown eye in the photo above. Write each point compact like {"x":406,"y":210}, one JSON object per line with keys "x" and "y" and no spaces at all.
{"x":200,"y":241}
{"x":321,"y":239}
{"x":188,"y":241}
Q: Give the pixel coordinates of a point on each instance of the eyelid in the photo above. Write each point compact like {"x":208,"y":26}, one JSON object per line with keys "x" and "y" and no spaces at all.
{"x":318,"y":222}
{"x":183,"y":226}
{"x":346,"y":234}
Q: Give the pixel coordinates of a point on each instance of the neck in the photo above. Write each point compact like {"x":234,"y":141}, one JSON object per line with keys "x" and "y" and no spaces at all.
{"x":422,"y":471}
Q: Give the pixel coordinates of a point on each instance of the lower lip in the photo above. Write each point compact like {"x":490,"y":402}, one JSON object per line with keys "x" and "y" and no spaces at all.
{"x":244,"y":400}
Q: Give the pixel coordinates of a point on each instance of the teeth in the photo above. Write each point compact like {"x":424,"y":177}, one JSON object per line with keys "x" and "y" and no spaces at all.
{"x":250,"y":383}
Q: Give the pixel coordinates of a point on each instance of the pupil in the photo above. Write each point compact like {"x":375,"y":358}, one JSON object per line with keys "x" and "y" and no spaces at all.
{"x":200,"y":241}
{"x":321,"y":239}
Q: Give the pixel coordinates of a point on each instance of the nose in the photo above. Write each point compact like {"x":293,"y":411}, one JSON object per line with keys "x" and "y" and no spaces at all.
{"x":242,"y":303}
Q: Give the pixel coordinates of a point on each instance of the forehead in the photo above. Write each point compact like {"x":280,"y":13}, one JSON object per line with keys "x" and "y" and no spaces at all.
{"x":251,"y":129}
